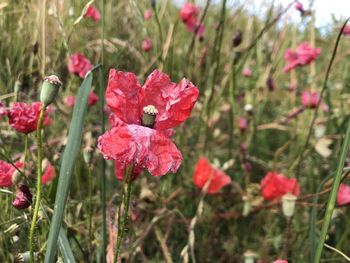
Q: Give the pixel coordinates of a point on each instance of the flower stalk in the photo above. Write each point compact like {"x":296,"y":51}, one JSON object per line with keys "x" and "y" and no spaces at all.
{"x":38,"y":183}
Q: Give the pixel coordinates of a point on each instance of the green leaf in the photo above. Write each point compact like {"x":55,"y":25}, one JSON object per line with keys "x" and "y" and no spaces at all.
{"x":65,"y":248}
{"x":68,"y":162}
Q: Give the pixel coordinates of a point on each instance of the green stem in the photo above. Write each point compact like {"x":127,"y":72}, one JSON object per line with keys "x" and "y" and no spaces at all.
{"x":125,"y":203}
{"x":333,"y":195}
{"x":90,"y":209}
{"x":25,"y":152}
{"x":38,"y":184}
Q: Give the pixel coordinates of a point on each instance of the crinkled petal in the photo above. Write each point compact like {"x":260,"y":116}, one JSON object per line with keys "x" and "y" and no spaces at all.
{"x":141,"y":146}
{"x":122,"y":96}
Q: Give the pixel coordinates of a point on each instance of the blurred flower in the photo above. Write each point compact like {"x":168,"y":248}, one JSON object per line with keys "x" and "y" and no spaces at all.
{"x":310,"y":99}
{"x":49,"y":173}
{"x":343,"y":195}
{"x":92,"y":99}
{"x":242,"y":124}
{"x":247,"y":72}
{"x":303,"y":55}
{"x":205,"y":172}
{"x":299,"y":7}
{"x":3,"y":110}
{"x":7,"y":172}
{"x":78,"y":64}
{"x":24,"y":117}
{"x":270,"y":83}
{"x":146,"y":113}
{"x":275,"y":185}
{"x":189,"y":15}
{"x":280,"y":261}
{"x":93,"y":13}
{"x":148,"y":14}
{"x":237,"y":38}
{"x":146,"y":44}
{"x":23,"y":198}
{"x":346,"y":30}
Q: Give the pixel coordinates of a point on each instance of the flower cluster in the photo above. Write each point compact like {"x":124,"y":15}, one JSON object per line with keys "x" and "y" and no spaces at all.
{"x":145,"y":114}
{"x":189,"y":15}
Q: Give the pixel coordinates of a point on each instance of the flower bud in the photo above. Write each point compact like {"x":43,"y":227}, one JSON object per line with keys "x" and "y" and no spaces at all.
{"x":249,"y":256}
{"x":149,"y":116}
{"x":249,"y":109}
{"x":23,"y":198}
{"x":288,"y":204}
{"x":237,"y":38}
{"x":49,"y":89}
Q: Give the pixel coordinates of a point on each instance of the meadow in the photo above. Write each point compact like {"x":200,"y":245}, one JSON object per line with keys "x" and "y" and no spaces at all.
{"x":152,"y":131}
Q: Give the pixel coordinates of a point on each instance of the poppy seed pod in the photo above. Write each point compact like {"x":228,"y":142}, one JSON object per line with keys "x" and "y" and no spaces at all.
{"x":49,"y":89}
{"x":149,"y":116}
{"x":249,"y":256}
{"x":237,"y":38}
{"x":288,"y":204}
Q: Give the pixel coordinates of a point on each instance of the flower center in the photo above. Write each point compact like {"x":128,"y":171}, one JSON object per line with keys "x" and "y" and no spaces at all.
{"x":149,"y":116}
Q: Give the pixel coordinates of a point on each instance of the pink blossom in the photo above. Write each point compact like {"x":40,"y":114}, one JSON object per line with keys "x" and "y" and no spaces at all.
{"x":247,"y":72}
{"x":346,"y":30}
{"x":148,"y":14}
{"x":310,"y":99}
{"x":343,"y":195}
{"x":242,"y":124}
{"x":146,"y":44}
{"x":93,"y":13}
{"x":79,"y":64}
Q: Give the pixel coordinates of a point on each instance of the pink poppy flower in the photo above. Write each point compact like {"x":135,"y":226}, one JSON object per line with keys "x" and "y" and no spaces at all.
{"x":70,"y":100}
{"x":92,"y":99}
{"x":280,"y":261}
{"x":24,"y":117}
{"x":146,"y":44}
{"x":303,"y":55}
{"x":299,"y":7}
{"x":346,"y":30}
{"x":93,"y":13}
{"x":78,"y":64}
{"x":148,"y":14}
{"x":6,"y":173}
{"x":343,"y":195}
{"x":310,"y":99}
{"x":204,"y":172}
{"x":275,"y":185}
{"x":49,"y":174}
{"x":138,"y":142}
{"x":247,"y":72}
{"x":23,"y":198}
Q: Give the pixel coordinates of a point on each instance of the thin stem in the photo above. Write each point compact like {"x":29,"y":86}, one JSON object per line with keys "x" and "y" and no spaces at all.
{"x":333,"y":196}
{"x":25,"y":152}
{"x":126,"y":201}
{"x":90,"y":209}
{"x":38,"y":184}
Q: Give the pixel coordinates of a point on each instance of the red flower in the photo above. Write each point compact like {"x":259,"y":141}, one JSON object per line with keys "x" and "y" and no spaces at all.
{"x":303,"y":55}
{"x":189,"y":15}
{"x":280,"y":261}
{"x":346,"y":30}
{"x":204,"y":172}
{"x":93,"y":13}
{"x":299,"y":7}
{"x":6,"y":173}
{"x":49,"y":174}
{"x":132,"y":143}
{"x":310,"y":99}
{"x":23,"y":198}
{"x":148,"y":14}
{"x":78,"y":64}
{"x":146,"y":44}
{"x":92,"y":99}
{"x":24,"y":117}
{"x":275,"y":185}
{"x":247,"y":72}
{"x":343,"y":195}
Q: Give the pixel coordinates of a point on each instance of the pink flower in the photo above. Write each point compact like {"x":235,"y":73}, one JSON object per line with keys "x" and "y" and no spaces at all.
{"x":303,"y":55}
{"x":242,"y":123}
{"x":24,"y":117}
{"x":247,"y":72}
{"x":275,"y":185}
{"x":146,"y":44}
{"x":3,"y":110}
{"x":310,"y":99}
{"x":23,"y":198}
{"x":280,"y":261}
{"x":92,"y":99}
{"x":93,"y":13}
{"x":148,"y":14}
{"x":78,"y":64}
{"x":134,"y":141}
{"x":120,"y":169}
{"x":205,"y":172}
{"x":346,"y":30}
{"x":299,"y":7}
{"x":49,"y":174}
{"x":343,"y":195}
{"x":6,"y":173}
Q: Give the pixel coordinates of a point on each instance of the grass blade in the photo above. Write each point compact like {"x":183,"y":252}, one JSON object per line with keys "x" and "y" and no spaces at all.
{"x":65,"y":248}
{"x":68,"y":163}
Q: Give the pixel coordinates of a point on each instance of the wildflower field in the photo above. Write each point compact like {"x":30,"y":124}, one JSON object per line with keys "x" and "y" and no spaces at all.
{"x":173,"y":131}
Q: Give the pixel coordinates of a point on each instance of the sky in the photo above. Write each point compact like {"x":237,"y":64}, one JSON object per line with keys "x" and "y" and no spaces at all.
{"x":324,"y":9}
